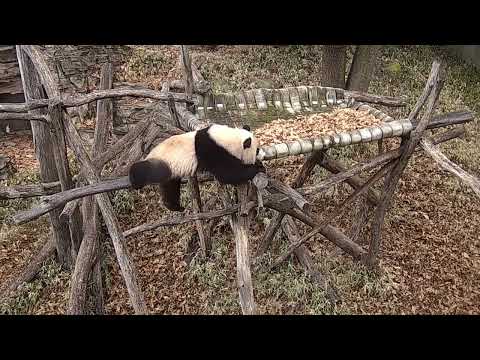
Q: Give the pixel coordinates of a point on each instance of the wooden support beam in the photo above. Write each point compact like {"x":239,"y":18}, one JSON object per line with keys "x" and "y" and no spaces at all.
{"x":23,"y":117}
{"x":123,"y":256}
{"x":239,"y":226}
{"x":187,"y":75}
{"x":197,"y":208}
{"x":336,"y":212}
{"x":430,"y":94}
{"x":376,"y":99}
{"x":42,"y":140}
{"x":89,"y":259}
{"x":301,"y":178}
{"x":335,"y":167}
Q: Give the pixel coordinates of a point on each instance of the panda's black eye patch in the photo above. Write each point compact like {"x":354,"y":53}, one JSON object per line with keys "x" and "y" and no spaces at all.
{"x":247,"y":143}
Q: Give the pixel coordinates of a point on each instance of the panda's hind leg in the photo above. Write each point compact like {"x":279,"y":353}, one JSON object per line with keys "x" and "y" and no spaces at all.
{"x":170,"y":192}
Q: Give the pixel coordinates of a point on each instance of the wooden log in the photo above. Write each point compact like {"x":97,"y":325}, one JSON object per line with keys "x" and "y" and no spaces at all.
{"x":448,"y":135}
{"x":282,"y":188}
{"x":29,"y":190}
{"x":47,"y":78}
{"x":104,"y":120}
{"x":376,"y":99}
{"x":434,"y":152}
{"x":330,"y":232}
{"x":335,"y":166}
{"x":61,"y":161}
{"x":300,"y":179}
{"x":239,"y":226}
{"x":337,"y":211}
{"x":177,"y":220}
{"x":294,"y":246}
{"x":188,"y":121}
{"x":44,"y":151}
{"x":93,"y":96}
{"x":123,"y":256}
{"x":55,"y":112}
{"x":92,"y":256}
{"x":431,"y":92}
{"x":138,"y":149}
{"x":69,"y":209}
{"x":200,"y":88}
{"x":23,"y":117}
{"x":210,"y":224}
{"x":187,"y":74}
{"x":56,"y":200}
{"x":347,"y":174}
{"x":197,"y":208}
{"x":173,"y":112}
{"x":121,"y":144}
{"x":452,"y":118}
{"x":83,"y":265}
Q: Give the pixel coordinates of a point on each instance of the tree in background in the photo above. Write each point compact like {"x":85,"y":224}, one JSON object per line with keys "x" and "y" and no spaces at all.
{"x":334,"y":63}
{"x":363,"y":67}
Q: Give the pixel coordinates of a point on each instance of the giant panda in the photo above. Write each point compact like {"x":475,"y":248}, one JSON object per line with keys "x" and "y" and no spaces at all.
{"x":226,"y":152}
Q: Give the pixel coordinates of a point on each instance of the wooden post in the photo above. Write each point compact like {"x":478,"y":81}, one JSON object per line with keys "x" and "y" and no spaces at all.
{"x":239,"y":227}
{"x":123,"y":256}
{"x":188,"y":75}
{"x":197,"y":208}
{"x":103,"y":126}
{"x":89,"y":261}
{"x":301,"y":178}
{"x":55,"y":112}
{"x":430,"y":94}
{"x":244,"y":276}
{"x":44,"y":152}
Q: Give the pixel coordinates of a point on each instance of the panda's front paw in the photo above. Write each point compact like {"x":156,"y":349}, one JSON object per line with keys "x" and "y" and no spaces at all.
{"x":260,"y":167}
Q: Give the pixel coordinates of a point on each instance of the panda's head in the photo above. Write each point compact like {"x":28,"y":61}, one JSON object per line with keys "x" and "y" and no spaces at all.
{"x":240,"y":142}
{"x":249,"y":145}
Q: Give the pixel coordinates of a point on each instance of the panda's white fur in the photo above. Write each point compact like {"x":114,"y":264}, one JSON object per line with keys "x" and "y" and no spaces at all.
{"x":178,"y":151}
{"x":228,"y":153}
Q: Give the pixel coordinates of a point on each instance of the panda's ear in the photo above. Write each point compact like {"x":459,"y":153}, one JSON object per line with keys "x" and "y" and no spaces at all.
{"x":246,"y":127}
{"x":247,"y":143}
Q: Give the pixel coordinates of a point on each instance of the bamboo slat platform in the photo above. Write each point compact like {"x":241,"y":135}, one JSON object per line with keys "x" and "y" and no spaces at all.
{"x":304,"y":99}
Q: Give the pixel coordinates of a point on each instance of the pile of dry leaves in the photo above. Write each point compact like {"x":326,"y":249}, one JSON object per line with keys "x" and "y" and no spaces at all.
{"x":314,"y":125}
{"x":19,"y":149}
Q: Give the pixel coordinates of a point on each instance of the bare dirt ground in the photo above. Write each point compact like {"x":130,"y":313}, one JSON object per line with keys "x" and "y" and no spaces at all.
{"x":431,"y":243}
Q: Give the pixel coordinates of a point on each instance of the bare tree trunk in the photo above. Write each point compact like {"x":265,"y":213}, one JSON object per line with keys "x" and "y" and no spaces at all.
{"x":363,"y":67}
{"x":334,"y":60}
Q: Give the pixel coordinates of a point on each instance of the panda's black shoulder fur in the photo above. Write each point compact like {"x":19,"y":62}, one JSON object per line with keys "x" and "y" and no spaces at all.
{"x":217,"y":160}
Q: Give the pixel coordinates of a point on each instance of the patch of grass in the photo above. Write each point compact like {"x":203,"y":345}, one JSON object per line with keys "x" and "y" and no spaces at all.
{"x":11,"y":206}
{"x":263,"y":66}
{"x":29,"y":295}
{"x":123,"y":202}
{"x":146,"y":62}
{"x":215,"y":276}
